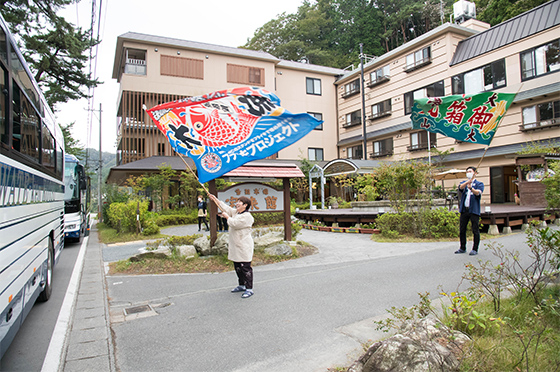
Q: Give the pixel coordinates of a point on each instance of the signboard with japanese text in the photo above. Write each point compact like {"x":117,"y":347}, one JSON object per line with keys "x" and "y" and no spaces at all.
{"x":264,"y":198}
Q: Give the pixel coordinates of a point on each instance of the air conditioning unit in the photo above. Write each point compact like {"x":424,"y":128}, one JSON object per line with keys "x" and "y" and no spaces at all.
{"x":463,"y":10}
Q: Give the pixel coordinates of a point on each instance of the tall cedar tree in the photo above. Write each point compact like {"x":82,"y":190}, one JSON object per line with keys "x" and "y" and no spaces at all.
{"x":56,"y":51}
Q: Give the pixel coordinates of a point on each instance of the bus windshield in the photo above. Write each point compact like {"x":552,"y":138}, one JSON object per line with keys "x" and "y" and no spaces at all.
{"x":71,"y":178}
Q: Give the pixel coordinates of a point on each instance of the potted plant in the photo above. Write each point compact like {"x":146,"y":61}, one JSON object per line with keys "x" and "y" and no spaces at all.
{"x":368,"y":229}
{"x":354,"y":230}
{"x":325,"y":228}
{"x":333,"y":202}
{"x":338,"y":229}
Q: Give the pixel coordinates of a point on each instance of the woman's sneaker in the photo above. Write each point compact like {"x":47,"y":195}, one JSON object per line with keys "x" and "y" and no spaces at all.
{"x":239,"y":288}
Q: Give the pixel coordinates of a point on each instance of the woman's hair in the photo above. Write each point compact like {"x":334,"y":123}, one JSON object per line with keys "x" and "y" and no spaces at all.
{"x":245,"y":200}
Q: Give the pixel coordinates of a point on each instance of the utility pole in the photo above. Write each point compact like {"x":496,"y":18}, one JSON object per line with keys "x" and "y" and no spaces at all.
{"x":363,"y":100}
{"x":99,"y":201}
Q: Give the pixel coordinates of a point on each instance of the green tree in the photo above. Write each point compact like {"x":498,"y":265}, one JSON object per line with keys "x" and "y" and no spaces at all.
{"x":56,"y":50}
{"x":71,"y":145}
{"x":498,"y":11}
{"x":158,"y":182}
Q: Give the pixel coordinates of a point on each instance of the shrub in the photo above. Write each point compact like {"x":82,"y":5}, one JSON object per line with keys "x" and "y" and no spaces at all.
{"x":267,"y":219}
{"x":122,"y":216}
{"x":426,"y":223}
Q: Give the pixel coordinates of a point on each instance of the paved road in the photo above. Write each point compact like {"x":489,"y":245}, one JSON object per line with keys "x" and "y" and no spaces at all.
{"x":307,"y":314}
{"x":28,"y":349}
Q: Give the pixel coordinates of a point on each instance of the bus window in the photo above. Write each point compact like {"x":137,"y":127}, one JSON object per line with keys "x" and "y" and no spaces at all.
{"x":3,"y":51}
{"x":48,"y":158}
{"x":3,"y":104}
{"x":30,"y":130}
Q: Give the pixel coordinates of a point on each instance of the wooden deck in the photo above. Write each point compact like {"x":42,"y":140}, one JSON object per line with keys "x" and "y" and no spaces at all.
{"x":504,"y":215}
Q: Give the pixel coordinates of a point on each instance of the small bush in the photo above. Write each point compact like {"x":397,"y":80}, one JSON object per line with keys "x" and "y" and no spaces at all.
{"x":122,"y":216}
{"x":427,"y":223}
{"x":267,"y":219}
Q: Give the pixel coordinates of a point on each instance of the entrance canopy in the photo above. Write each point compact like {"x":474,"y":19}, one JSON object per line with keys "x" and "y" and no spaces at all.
{"x":346,"y":166}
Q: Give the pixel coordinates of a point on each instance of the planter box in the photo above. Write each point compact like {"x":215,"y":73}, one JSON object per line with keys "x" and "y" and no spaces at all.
{"x":316,"y":228}
{"x":370,"y":231}
{"x":354,"y":230}
{"x":307,"y":226}
{"x":338,"y":229}
{"x":325,"y":228}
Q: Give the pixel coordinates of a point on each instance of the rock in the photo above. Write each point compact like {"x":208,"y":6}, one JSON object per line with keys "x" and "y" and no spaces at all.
{"x":221,"y":244}
{"x":268,"y":239}
{"x":187,"y":251}
{"x":202,"y":245}
{"x":144,"y":253}
{"x":422,"y":345}
{"x":281,"y":249}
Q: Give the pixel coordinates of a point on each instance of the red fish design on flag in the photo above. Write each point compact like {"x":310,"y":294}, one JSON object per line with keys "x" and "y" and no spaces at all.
{"x":225,"y":129}
{"x":217,"y":130}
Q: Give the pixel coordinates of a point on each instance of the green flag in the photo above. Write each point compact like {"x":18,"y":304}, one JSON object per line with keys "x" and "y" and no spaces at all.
{"x":468,"y":118}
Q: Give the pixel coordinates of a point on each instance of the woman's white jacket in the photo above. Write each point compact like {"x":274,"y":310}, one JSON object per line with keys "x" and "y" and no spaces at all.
{"x":241,"y":245}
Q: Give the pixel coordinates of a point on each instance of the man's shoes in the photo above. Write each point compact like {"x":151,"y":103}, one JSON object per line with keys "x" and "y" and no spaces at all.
{"x":460,"y":251}
{"x":473,"y":253}
{"x":239,"y":288}
{"x":247,"y":293}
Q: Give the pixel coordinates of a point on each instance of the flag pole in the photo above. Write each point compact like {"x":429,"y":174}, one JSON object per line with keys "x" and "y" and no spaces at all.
{"x":188,"y":166}
{"x":201,"y":184}
{"x":488,"y":146}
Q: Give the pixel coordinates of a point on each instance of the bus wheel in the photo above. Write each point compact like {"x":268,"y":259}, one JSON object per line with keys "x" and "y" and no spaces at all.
{"x":46,"y":294}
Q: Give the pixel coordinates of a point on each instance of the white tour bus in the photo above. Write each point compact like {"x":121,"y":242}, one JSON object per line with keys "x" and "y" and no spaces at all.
{"x":31,"y":191}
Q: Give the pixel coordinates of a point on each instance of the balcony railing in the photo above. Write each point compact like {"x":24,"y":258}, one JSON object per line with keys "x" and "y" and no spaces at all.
{"x":525,"y":127}
{"x":420,"y":146}
{"x":352,"y":123}
{"x":351,"y":92}
{"x":135,"y":66}
{"x":378,"y":115}
{"x":380,"y":154}
{"x":378,"y":81}
{"x":417,"y":64}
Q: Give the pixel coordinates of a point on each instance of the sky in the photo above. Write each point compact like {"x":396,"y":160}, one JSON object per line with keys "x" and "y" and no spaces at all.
{"x":221,"y":22}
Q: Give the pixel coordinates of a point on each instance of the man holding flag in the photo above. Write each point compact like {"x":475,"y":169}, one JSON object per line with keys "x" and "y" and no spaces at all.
{"x":469,"y":207}
{"x":467,"y":118}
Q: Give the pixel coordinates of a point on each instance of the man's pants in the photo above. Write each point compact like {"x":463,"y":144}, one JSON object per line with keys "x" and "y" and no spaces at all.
{"x":244,"y":273}
{"x":463,"y":222}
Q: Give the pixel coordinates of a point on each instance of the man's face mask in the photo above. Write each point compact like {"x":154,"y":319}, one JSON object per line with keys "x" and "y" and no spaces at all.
{"x":470,"y":175}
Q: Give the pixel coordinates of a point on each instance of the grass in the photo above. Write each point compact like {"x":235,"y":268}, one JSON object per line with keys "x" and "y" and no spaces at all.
{"x":108,"y":235}
{"x":379,"y":238}
{"x":529,"y":339}
{"x":212,"y":264}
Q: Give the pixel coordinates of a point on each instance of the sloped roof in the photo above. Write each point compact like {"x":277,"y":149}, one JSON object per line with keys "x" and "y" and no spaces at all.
{"x":186,"y":44}
{"x":266,"y":170}
{"x":524,"y":25}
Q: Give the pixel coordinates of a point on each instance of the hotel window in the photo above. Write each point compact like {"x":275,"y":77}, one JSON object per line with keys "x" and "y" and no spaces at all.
{"x":317,"y":116}
{"x":355,"y":152}
{"x":419,"y":140}
{"x":432,"y":90}
{"x":382,"y":148}
{"x":379,"y":76}
{"x":540,"y":60}
{"x":418,"y":59}
{"x":182,"y":67}
{"x":135,"y":62}
{"x":353,"y":118}
{"x":245,"y":75}
{"x":351,"y":88}
{"x":380,"y":109}
{"x":161,"y":149}
{"x":491,"y":76}
{"x":542,"y":115}
{"x":313,"y":86}
{"x":315,"y":154}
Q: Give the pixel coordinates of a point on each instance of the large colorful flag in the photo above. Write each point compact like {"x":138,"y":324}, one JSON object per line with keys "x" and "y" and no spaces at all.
{"x":468,"y":118}
{"x":223,"y":130}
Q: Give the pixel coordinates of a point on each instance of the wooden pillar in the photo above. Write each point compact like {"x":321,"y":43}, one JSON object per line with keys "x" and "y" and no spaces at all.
{"x":213,"y":210}
{"x":287,"y":212}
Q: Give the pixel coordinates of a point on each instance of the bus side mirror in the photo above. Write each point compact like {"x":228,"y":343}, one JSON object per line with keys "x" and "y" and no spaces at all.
{"x":83,"y":183}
